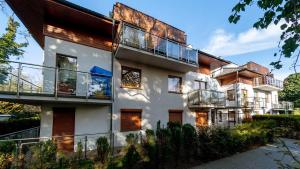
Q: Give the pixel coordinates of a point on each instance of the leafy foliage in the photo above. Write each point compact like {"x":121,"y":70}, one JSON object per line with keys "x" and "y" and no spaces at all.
{"x":103,"y":149}
{"x":283,"y":12}
{"x":291,"y":89}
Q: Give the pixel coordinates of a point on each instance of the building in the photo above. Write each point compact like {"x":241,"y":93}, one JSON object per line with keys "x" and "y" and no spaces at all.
{"x":124,"y":73}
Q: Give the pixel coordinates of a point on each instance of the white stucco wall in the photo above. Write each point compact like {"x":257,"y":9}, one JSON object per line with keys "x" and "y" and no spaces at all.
{"x":87,"y":57}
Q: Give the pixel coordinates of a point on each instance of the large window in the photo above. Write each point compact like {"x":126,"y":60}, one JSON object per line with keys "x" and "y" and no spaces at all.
{"x":231,"y":95}
{"x":200,"y":85}
{"x":174,"y":84}
{"x":67,"y":74}
{"x":131,"y":119}
{"x":131,"y":78}
{"x":175,"y":116}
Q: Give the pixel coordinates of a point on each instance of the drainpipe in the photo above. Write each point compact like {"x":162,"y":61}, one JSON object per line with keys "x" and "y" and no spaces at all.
{"x":112,"y":84}
{"x":236,"y":92}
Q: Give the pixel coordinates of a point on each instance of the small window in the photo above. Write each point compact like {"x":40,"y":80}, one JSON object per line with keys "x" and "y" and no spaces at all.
{"x":175,"y":116}
{"x":200,"y":85}
{"x":231,"y":116}
{"x":131,"y":78}
{"x":174,"y":84}
{"x":131,"y":119}
{"x":244,"y":93}
{"x":230,"y":95}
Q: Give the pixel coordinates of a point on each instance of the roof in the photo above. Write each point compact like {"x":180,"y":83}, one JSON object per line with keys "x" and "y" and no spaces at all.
{"x":215,"y":57}
{"x":60,"y":11}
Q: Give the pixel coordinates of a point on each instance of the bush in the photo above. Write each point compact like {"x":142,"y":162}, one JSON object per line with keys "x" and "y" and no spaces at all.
{"x":102,"y":149}
{"x":14,"y":125}
{"x":7,"y":147}
{"x":289,"y":121}
{"x":150,"y":148}
{"x":189,"y":140}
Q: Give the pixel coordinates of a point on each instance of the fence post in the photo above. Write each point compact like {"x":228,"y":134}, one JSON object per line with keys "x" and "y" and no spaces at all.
{"x":85,"y":146}
{"x":18,"y":79}
{"x":56,"y":82}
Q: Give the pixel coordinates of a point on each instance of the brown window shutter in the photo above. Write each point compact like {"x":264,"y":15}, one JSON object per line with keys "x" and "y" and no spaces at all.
{"x":175,"y":116}
{"x":131,"y":119}
{"x":201,"y":119}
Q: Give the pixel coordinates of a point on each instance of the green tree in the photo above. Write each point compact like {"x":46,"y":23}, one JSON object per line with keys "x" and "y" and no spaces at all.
{"x":283,"y":12}
{"x":291,"y":89}
{"x":8,"y":44}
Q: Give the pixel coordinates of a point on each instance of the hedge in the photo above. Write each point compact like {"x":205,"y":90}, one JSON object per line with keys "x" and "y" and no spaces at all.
{"x":14,"y":125}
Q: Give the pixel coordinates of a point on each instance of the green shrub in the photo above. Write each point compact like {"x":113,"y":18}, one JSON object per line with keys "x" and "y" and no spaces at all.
{"x":189,"y":140}
{"x":150,"y":148}
{"x":103,"y":149}
{"x":14,"y":125}
{"x":7,"y":147}
{"x":175,"y":140}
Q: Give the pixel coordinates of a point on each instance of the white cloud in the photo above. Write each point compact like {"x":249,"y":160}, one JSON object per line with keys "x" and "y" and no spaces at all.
{"x":224,"y":43}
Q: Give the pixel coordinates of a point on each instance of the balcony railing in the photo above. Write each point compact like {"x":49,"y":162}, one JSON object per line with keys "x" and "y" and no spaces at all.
{"x":206,"y":97}
{"x":253,"y":102}
{"x":139,"y":39}
{"x":267,"y":80}
{"x":283,"y":105}
{"x":18,"y":78}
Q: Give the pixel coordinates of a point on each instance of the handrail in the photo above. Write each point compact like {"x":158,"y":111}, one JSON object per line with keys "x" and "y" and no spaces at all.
{"x":16,"y":132}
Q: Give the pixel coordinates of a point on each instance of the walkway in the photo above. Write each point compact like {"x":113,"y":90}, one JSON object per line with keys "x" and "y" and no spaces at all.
{"x":267,"y":157}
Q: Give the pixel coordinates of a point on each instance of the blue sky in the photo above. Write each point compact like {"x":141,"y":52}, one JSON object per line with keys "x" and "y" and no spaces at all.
{"x":206,"y":25}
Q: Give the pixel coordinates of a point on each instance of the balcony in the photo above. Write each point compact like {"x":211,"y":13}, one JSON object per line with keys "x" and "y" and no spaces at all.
{"x":137,"y":45}
{"x":283,"y":105}
{"x":206,"y":99}
{"x":30,"y":83}
{"x":267,"y":83}
{"x":252,"y":102}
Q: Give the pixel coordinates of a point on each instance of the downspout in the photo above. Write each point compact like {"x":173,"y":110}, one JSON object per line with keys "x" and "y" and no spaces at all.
{"x":236,"y":92}
{"x":112,"y":85}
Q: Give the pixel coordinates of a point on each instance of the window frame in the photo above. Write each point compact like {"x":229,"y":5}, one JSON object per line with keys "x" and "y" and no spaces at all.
{"x":122,"y":129}
{"x":132,"y":69}
{"x":228,"y":98}
{"x":180,"y":84}
{"x":199,"y":84}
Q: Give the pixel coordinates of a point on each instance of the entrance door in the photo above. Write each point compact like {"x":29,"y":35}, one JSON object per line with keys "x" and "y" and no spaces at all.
{"x":201,"y":119}
{"x":63,"y":128}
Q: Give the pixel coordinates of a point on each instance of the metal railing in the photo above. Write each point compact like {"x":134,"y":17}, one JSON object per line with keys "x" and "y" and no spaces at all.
{"x":30,"y":79}
{"x":267,"y":80}
{"x":284,"y":105}
{"x":139,"y":39}
{"x":206,"y":97}
{"x":252,"y":102}
{"x":27,"y":133}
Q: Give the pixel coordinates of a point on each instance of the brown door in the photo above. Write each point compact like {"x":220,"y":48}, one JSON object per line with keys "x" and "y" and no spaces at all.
{"x":201,"y":119}
{"x":63,"y":128}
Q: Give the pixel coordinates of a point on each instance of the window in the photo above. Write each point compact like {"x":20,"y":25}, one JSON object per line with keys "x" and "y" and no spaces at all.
{"x":131,"y":78}
{"x":244,"y":93}
{"x":131,"y":119}
{"x":220,"y":116}
{"x":174,"y":84}
{"x":200,"y":85}
{"x":67,"y":75}
{"x":231,"y":116}
{"x":231,"y":95}
{"x":175,"y":116}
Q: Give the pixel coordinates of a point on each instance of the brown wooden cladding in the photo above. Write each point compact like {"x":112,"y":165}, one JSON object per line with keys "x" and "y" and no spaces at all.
{"x":204,"y":69}
{"x":175,"y":116}
{"x":233,"y":79}
{"x":257,"y":68}
{"x":149,"y":24}
{"x":131,"y":119}
{"x":76,"y":35}
{"x":63,"y":128}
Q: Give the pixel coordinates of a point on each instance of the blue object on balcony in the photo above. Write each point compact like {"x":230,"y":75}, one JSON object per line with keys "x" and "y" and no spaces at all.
{"x":99,"y":71}
{"x":101,"y":82}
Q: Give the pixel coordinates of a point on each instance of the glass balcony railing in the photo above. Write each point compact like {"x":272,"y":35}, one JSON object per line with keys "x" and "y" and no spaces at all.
{"x":206,"y":97}
{"x":267,"y":80}
{"x":29,"y":79}
{"x":137,"y":38}
{"x":253,"y":102}
{"x":283,"y":105}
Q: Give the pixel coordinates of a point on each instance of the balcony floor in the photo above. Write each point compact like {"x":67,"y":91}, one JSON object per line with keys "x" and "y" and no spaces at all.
{"x":148,"y":58}
{"x":267,"y":88}
{"x":39,"y":99}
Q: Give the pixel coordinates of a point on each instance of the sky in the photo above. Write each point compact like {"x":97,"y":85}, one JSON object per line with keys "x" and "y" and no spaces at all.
{"x":206,"y":25}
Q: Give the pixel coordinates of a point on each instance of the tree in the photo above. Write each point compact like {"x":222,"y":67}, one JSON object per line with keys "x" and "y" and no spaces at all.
{"x":291,"y":89}
{"x":283,"y":12}
{"x":8,"y":44}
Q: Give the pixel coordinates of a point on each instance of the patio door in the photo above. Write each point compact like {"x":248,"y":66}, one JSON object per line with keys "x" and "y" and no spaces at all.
{"x":67,"y":75}
{"x":63,"y":128}
{"x":201,"y":118}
